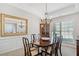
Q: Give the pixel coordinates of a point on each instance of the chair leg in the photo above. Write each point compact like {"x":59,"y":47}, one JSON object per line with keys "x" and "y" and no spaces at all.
{"x":60,"y":52}
{"x":56,"y":52}
{"x":51,"y":53}
{"x":38,"y":50}
{"x":24,"y":54}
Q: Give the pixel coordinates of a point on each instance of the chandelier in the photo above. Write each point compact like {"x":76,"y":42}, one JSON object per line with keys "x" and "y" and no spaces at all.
{"x":46,"y":18}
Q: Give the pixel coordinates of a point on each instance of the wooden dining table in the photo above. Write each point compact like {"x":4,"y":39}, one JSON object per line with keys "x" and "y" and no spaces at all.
{"x":44,"y":43}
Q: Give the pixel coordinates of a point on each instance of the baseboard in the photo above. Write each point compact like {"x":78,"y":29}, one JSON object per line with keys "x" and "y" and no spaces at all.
{"x":2,"y":52}
{"x":69,"y":45}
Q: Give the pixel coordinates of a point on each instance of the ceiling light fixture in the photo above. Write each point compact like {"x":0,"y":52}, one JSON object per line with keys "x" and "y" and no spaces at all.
{"x":46,"y":17}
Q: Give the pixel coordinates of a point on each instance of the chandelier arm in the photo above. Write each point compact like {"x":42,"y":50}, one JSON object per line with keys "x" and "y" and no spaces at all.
{"x":46,"y":7}
{"x":46,"y":14}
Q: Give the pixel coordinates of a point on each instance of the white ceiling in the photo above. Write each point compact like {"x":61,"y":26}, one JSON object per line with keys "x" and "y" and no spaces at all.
{"x":39,"y":8}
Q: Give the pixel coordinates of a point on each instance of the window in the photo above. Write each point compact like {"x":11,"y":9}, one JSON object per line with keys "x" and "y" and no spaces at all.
{"x":66,"y":29}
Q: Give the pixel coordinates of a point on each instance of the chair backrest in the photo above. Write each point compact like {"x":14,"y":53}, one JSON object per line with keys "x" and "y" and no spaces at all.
{"x":26,"y":46}
{"x":38,"y":36}
{"x":58,"y":42}
{"x":33,"y":37}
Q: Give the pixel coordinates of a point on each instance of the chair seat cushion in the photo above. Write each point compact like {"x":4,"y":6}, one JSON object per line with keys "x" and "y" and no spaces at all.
{"x":33,"y":48}
{"x":34,"y":51}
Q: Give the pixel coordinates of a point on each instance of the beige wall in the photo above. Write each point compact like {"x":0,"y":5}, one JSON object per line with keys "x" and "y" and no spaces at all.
{"x":15,"y":42}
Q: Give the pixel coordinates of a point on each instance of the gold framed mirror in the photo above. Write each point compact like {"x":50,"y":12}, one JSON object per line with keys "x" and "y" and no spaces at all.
{"x":12,"y":25}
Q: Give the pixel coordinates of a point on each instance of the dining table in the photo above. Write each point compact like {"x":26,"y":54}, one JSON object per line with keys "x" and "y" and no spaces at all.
{"x":43,"y":43}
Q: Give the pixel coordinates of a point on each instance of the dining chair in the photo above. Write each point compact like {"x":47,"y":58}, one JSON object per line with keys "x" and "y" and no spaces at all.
{"x":34,"y":37}
{"x":58,"y":46}
{"x":55,"y":47}
{"x":28,"y":51}
{"x":51,"y":50}
{"x":26,"y":46}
